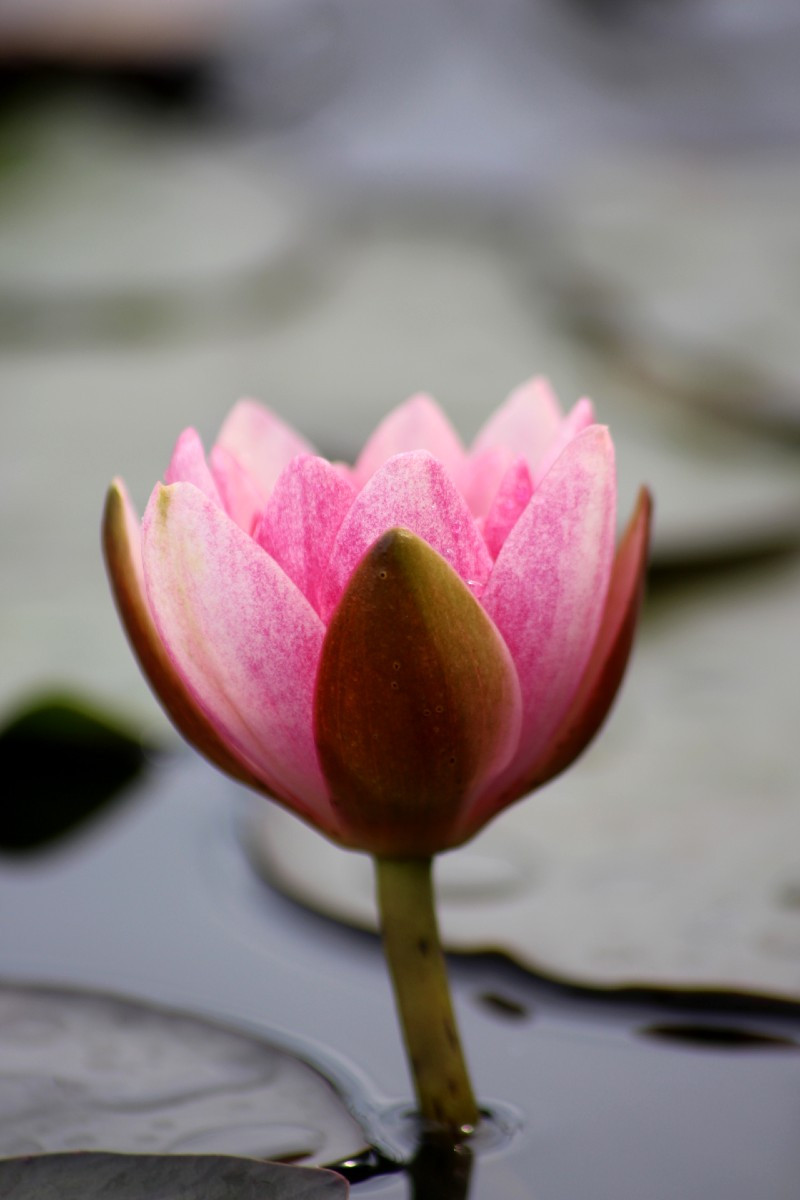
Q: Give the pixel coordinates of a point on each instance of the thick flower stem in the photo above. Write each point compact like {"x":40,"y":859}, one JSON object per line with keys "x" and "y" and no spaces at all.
{"x":419,"y":978}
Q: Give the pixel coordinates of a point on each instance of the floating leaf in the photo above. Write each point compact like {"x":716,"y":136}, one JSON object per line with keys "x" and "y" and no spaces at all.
{"x":100,"y":1176}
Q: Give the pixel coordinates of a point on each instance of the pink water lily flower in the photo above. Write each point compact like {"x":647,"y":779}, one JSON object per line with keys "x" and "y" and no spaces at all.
{"x":395,"y":650}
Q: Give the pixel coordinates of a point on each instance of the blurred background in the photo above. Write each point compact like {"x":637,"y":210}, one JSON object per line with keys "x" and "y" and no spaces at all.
{"x":331,"y":204}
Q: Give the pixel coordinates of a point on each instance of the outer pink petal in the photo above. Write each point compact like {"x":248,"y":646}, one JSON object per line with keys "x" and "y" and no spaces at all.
{"x":512,"y":498}
{"x":242,"y":638}
{"x":600,"y":680}
{"x":411,"y":491}
{"x":260,"y":442}
{"x":123,"y":556}
{"x":302,"y":518}
{"x":548,"y":587}
{"x":188,"y":465}
{"x":579,"y":417}
{"x":242,"y":499}
{"x":418,"y":424}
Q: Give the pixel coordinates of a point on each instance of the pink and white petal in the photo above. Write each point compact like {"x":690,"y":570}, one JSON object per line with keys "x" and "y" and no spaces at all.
{"x":411,"y":491}
{"x":242,"y":500}
{"x":188,"y":465}
{"x":548,"y":587}
{"x":260,"y":442}
{"x":241,"y":636}
{"x":123,"y":557}
{"x":418,"y":424}
{"x":512,"y":498}
{"x":526,"y":423}
{"x":301,"y":520}
{"x":600,"y":681}
{"x":579,"y":417}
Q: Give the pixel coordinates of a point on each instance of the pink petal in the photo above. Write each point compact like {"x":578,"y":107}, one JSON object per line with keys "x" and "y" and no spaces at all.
{"x":188,"y":465}
{"x":260,"y":442}
{"x":419,"y":424}
{"x":512,"y":497}
{"x":525,"y":424}
{"x":411,"y":491}
{"x":242,"y":499}
{"x":579,"y":417}
{"x":123,"y":556}
{"x":241,"y":636}
{"x":548,"y":587}
{"x":302,"y":518}
{"x":600,"y":680}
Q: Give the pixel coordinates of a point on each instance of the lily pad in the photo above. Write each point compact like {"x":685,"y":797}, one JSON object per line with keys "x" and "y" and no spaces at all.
{"x":88,"y":1176}
{"x":86,"y":1071}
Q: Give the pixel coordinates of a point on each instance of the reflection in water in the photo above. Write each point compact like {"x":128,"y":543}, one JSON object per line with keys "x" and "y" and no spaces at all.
{"x":441,"y":1169}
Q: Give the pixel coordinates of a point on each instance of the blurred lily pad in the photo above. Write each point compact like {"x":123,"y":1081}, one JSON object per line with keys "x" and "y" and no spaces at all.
{"x":62,"y":763}
{"x":81,"y":1070}
{"x":161,"y":1177}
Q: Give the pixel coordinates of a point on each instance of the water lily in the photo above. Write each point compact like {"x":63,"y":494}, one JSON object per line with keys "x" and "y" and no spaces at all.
{"x":394,"y":650}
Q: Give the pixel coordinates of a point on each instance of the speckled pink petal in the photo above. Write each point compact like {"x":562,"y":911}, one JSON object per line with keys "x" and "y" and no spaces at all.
{"x":526,"y":423}
{"x":242,"y":500}
{"x":188,"y":465}
{"x":599,"y":682}
{"x":579,"y":417}
{"x":419,"y":424}
{"x":411,"y":491}
{"x":302,"y":518}
{"x":260,"y":442}
{"x":241,"y":636}
{"x":548,"y":587}
{"x":512,"y":498}
{"x":123,"y":556}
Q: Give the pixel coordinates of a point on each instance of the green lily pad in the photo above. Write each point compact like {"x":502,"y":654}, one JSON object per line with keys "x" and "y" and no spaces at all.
{"x":98,"y":1176}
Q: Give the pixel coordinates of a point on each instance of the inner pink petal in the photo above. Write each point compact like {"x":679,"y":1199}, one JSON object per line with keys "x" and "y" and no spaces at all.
{"x":526,"y":423}
{"x":301,"y":520}
{"x":418,"y":424}
{"x":242,"y":499}
{"x":188,"y":465}
{"x":579,"y":417}
{"x":512,"y":496}
{"x":412,"y":491}
{"x":261,"y":442}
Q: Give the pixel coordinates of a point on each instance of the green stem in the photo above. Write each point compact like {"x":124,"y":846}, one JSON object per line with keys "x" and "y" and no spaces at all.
{"x":419,"y":978}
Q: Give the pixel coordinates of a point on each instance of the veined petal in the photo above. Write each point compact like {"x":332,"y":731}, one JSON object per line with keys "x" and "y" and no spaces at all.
{"x":511,"y":499}
{"x":417,"y":701}
{"x":260,"y":442}
{"x":600,"y":680}
{"x":242,"y":637}
{"x":301,"y":520}
{"x":123,"y":556}
{"x":242,"y":500}
{"x":419,"y":424}
{"x":579,"y":417}
{"x":188,"y":465}
{"x":413,"y":491}
{"x":548,"y":587}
